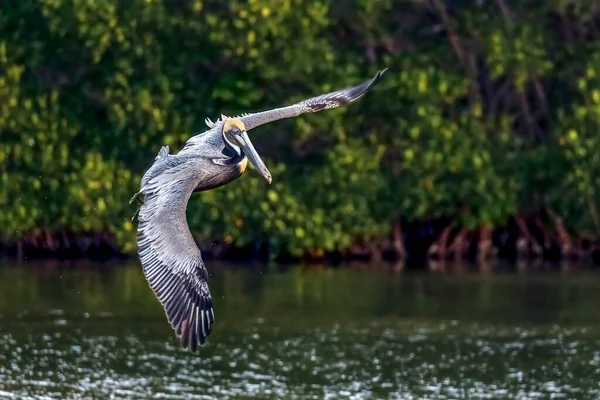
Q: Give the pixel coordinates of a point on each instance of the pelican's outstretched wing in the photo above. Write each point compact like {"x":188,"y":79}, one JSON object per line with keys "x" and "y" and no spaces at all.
{"x":330,"y":100}
{"x":171,"y":261}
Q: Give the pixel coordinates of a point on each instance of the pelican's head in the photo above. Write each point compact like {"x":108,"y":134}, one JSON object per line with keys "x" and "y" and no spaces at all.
{"x":237,"y":140}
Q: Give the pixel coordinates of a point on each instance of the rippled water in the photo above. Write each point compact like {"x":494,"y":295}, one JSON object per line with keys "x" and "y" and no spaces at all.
{"x":98,"y":332}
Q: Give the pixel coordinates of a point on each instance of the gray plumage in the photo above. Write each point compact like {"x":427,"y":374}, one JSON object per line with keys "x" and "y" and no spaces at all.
{"x":171,"y":261}
{"x":326,"y":101}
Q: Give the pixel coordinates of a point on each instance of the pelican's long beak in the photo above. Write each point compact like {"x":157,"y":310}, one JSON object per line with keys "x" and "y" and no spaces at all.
{"x":253,"y":156}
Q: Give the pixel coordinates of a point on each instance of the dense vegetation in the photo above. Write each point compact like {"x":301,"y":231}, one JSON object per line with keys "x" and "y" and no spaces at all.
{"x":484,"y":130}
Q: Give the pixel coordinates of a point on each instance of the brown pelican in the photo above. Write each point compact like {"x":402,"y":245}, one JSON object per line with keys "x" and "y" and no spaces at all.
{"x":171,"y":261}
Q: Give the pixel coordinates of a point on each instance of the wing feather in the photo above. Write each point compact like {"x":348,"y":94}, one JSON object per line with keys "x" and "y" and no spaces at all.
{"x":252,"y":120}
{"x":329,"y":100}
{"x":171,"y":261}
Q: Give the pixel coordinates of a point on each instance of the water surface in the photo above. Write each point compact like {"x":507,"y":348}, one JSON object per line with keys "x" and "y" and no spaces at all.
{"x":98,"y":332}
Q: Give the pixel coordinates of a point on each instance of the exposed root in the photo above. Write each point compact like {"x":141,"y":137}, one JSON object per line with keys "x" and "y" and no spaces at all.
{"x":438,"y":248}
{"x":526,"y":242}
{"x":450,"y":244}
{"x":485,"y":248}
{"x":375,"y":253}
{"x":537,"y":220}
{"x":50,"y":243}
{"x":459,"y":244}
{"x":564,"y":239}
{"x":398,"y":241}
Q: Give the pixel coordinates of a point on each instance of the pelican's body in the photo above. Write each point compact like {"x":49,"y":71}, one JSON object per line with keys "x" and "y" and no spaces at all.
{"x":208,"y":175}
{"x":171,"y":261}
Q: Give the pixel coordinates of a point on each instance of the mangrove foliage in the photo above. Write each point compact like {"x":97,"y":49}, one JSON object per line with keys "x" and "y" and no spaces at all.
{"x":483,"y":134}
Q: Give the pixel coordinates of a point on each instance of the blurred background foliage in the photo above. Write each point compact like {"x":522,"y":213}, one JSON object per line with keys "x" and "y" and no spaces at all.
{"x":483,"y":128}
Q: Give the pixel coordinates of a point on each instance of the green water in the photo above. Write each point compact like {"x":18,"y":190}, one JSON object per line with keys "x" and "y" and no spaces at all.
{"x":97,"y":332}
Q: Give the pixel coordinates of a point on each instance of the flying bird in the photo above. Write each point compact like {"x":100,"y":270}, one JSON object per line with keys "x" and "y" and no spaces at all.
{"x":171,"y":261}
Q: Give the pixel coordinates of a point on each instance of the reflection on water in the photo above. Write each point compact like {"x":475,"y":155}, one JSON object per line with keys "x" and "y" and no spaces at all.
{"x":100,"y":333}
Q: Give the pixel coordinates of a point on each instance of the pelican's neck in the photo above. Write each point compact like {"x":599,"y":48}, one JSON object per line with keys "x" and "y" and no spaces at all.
{"x":223,"y":175}
{"x":243,"y":164}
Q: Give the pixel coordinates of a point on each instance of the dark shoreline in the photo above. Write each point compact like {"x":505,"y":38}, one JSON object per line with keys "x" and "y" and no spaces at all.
{"x":413,"y":246}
